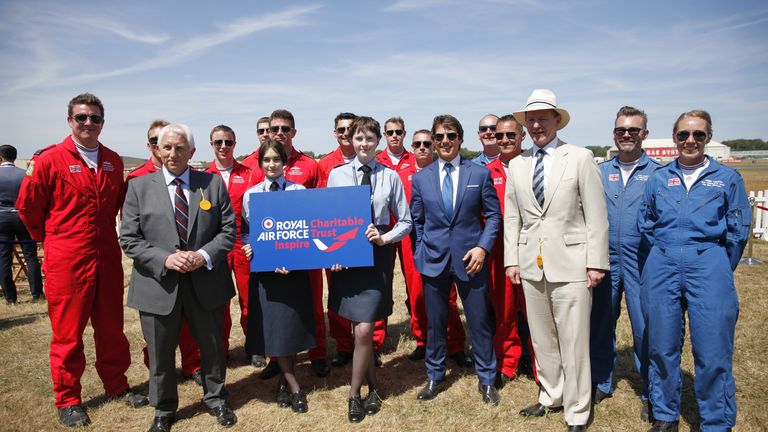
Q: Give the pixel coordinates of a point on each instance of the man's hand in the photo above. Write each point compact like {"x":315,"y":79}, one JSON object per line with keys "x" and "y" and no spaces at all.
{"x":374,"y":236}
{"x":197,"y":260}
{"x":476,"y":257}
{"x":594,"y":276}
{"x":513,"y":273}
{"x":179,"y":261}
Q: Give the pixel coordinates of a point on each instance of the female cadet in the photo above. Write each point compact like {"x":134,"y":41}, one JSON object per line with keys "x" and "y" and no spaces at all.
{"x":280,"y":322}
{"x":696,"y":217}
{"x":364,"y":295}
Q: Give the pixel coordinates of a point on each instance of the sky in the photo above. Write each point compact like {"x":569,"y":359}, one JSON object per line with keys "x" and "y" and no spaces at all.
{"x":208,"y":63}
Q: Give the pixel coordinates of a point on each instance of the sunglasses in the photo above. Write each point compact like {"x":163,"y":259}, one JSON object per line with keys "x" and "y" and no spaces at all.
{"x":698,"y":135}
{"x":153,"y":140}
{"x":341,"y":130}
{"x":227,"y":143}
{"x":397,"y":132}
{"x":283,"y":129}
{"x":510,"y":135}
{"x":482,"y":129}
{"x":450,"y":135}
{"x":81,"y":118}
{"x":262,"y":131}
{"x":633,"y":131}
{"x":425,"y":144}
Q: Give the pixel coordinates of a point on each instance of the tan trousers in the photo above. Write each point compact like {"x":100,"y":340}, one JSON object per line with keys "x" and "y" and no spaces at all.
{"x":558,"y":317}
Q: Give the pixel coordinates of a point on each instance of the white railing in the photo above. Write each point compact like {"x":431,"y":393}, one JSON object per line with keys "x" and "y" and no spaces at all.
{"x":760,"y":215}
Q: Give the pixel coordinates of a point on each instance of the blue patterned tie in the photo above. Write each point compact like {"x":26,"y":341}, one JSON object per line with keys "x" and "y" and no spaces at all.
{"x":181,"y":212}
{"x":448,"y":189}
{"x":538,"y":178}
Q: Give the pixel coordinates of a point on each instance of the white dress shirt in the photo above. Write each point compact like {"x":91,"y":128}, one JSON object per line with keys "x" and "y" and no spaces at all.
{"x":169,"y":178}
{"x":454,"y":174}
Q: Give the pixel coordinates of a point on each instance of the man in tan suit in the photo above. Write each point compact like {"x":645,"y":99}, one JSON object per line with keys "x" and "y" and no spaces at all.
{"x":556,"y":243}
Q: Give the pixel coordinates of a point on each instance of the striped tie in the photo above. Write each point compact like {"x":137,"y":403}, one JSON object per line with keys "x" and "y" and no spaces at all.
{"x":447,"y":189}
{"x":538,"y":178}
{"x":181,"y":211}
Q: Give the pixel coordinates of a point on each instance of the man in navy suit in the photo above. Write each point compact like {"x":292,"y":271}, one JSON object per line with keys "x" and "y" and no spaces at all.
{"x":451,"y":199}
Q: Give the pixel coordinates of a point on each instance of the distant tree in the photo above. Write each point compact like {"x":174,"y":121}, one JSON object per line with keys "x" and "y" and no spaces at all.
{"x":309,"y":153}
{"x":746,"y":144}
{"x":469,"y":154}
{"x":599,"y":151}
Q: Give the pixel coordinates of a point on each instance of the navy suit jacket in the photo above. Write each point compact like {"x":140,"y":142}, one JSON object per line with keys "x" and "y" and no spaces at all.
{"x":441,"y":240}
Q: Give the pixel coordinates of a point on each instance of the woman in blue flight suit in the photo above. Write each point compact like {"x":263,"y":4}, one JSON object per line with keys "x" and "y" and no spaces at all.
{"x":696,"y":217}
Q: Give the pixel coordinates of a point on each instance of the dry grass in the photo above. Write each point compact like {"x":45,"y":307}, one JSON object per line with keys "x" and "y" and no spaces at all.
{"x":26,"y":400}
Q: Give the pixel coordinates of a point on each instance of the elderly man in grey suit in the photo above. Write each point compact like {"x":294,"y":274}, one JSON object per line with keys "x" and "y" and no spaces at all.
{"x":178,"y":226}
{"x":556,"y":242}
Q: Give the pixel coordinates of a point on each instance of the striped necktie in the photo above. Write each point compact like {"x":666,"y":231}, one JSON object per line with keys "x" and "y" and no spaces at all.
{"x":538,"y":177}
{"x":448,"y":189}
{"x":181,"y":212}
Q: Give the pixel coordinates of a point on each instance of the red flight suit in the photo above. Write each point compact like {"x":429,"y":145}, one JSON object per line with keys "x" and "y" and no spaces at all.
{"x":340,"y":327}
{"x":190,"y":353}
{"x":73,"y":210}
{"x":415,"y":288}
{"x":240,"y":179}
{"x":505,"y":297}
{"x":303,"y":170}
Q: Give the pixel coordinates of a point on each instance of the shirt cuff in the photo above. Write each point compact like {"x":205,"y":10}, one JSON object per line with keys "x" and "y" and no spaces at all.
{"x":205,"y":255}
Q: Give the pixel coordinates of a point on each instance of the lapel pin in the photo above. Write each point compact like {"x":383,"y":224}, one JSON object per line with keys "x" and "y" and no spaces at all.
{"x":204,"y":203}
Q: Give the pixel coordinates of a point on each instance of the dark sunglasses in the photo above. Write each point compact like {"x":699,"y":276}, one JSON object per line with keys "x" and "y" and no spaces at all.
{"x":451,"y":136}
{"x":633,"y":131}
{"x":341,"y":130}
{"x":698,"y":135}
{"x":81,"y":118}
{"x":425,"y":144}
{"x":391,"y":132}
{"x":153,"y":140}
{"x":510,"y":135}
{"x":262,"y":131}
{"x":227,"y":143}
{"x":482,"y":129}
{"x":283,"y":129}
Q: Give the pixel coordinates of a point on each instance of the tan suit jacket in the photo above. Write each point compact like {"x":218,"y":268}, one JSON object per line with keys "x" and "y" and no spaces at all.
{"x":570,"y":231}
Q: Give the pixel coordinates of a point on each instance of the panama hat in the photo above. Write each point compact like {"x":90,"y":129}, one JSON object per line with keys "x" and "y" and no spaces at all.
{"x":542,"y":99}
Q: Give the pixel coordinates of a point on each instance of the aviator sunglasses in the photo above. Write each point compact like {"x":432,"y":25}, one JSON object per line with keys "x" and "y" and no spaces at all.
{"x":633,"y":131}
{"x":419,"y":144}
{"x":482,"y":129}
{"x":450,"y":135}
{"x":283,"y":129}
{"x":391,"y":132}
{"x":510,"y":135}
{"x":81,"y":118}
{"x":698,"y":135}
{"x":227,"y":143}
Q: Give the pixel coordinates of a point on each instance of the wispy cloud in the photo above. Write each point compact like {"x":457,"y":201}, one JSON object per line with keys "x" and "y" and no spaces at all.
{"x":408,"y":5}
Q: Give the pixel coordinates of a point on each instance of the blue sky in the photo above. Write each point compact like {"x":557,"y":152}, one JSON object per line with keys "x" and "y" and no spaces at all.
{"x":208,"y":63}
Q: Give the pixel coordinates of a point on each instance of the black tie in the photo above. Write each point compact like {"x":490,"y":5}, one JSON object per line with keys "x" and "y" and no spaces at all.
{"x":367,"y":181}
{"x":274,"y":187}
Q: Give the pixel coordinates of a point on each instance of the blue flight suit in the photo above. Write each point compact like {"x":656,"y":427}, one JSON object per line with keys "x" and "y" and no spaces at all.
{"x":697,"y":237}
{"x":626,"y":252}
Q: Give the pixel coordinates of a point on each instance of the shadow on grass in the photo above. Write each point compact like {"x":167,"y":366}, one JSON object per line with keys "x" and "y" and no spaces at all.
{"x":9,"y":323}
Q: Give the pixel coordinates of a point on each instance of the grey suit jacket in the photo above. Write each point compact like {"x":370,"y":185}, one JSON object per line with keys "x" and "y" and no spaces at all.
{"x":148,"y":236}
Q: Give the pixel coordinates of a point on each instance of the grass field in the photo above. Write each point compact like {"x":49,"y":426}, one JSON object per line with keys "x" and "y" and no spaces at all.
{"x":26,"y":400}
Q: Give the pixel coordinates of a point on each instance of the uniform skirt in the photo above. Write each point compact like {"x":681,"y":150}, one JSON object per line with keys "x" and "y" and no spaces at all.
{"x":364,"y":294}
{"x":280,"y":317}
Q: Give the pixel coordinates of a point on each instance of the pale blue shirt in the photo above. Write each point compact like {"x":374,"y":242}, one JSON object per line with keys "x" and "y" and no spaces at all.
{"x":169,"y":178}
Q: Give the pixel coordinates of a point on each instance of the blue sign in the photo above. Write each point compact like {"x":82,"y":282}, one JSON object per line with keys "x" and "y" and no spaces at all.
{"x":310,"y":229}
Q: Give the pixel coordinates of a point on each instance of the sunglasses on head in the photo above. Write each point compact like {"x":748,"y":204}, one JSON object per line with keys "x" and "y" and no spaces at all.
{"x":283,"y":129}
{"x":342,"y":129}
{"x":262,"y":131}
{"x":450,"y":135}
{"x":633,"y":131}
{"x":482,"y":129}
{"x":510,"y":135}
{"x":419,"y":144}
{"x":81,"y":118}
{"x":153,"y":140}
{"x":227,"y":143}
{"x":391,"y":132}
{"x":698,"y":135}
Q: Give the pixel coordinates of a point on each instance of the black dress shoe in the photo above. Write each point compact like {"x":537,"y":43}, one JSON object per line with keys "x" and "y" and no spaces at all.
{"x":577,"y":428}
{"x":660,"y":426}
{"x":74,"y":415}
{"x":372,"y":402}
{"x":490,"y":394}
{"x":224,"y":415}
{"x":462,"y":359}
{"x":269,"y":372}
{"x":431,"y":390}
{"x":133,"y":400}
{"x":377,"y":359}
{"x":283,"y":395}
{"x":197,"y":377}
{"x":502,"y":380}
{"x":258,"y":361}
{"x":299,"y":402}
{"x":320,"y":368}
{"x":341,"y":359}
{"x":356,"y":412}
{"x":162,"y":424}
{"x":418,"y":353}
{"x":599,"y":396}
{"x":538,"y":410}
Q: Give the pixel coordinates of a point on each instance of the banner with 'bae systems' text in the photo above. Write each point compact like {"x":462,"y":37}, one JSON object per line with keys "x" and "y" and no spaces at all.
{"x":310,"y":229}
